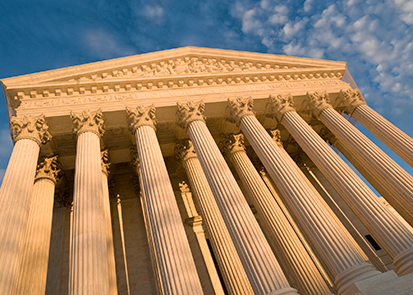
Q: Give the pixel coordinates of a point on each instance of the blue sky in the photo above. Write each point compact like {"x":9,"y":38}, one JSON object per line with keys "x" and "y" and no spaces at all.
{"x":375,"y":38}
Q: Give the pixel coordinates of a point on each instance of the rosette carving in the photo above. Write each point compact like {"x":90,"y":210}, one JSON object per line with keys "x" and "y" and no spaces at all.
{"x":88,"y":121}
{"x":28,"y":127}
{"x":239,"y":108}
{"x":189,"y":112}
{"x":184,"y":150}
{"x":279,"y":105}
{"x":141,"y":116}
{"x":232,"y":143}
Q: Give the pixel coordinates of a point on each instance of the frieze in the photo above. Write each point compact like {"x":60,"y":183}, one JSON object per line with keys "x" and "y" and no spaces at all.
{"x":139,"y":95}
{"x":188,"y":65}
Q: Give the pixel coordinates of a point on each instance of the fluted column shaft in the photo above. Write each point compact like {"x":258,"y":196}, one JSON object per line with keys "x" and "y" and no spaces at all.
{"x":296,"y":257}
{"x":113,"y":288}
{"x":345,"y":262}
{"x":228,"y":260}
{"x":262,"y":268}
{"x":89,"y":258}
{"x":175,"y":264}
{"x":395,"y":238}
{"x":393,"y":137}
{"x":15,"y":198}
{"x":373,"y":181}
{"x":396,"y":180}
{"x":355,"y":105}
{"x":34,"y":262}
{"x":333,"y":214}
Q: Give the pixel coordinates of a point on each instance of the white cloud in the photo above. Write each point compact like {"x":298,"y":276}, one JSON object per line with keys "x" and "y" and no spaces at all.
{"x":153,"y":12}
{"x":291,"y":29}
{"x":307,"y":5}
{"x":250,"y":23}
{"x":105,"y":45}
{"x":374,"y":38}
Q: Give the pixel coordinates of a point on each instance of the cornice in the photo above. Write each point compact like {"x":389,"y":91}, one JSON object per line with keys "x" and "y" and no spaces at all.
{"x":165,"y":56}
{"x":82,"y":95}
{"x":186,"y":67}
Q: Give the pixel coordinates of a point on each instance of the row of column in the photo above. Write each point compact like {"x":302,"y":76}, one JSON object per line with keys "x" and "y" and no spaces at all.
{"x":248,"y":263}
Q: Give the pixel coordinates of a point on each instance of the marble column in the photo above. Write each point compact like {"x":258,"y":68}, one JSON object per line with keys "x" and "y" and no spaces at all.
{"x":195,"y":221}
{"x":390,"y":175}
{"x":393,"y":137}
{"x":275,"y":134}
{"x":113,"y":288}
{"x":347,"y":265}
{"x":260,"y":264}
{"x":89,"y":255}
{"x":15,"y":195}
{"x":173,"y":255}
{"x":325,"y":190}
{"x":34,"y":262}
{"x":323,"y":267}
{"x":233,"y":272}
{"x":376,"y":184}
{"x":395,"y":238}
{"x":57,"y":236}
{"x":298,"y":261}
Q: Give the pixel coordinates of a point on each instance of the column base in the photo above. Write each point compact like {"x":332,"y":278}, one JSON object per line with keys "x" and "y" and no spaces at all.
{"x":355,"y":274}
{"x":404,"y":262}
{"x":384,"y":284}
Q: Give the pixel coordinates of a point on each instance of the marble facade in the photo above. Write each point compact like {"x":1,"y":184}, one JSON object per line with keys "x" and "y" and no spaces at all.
{"x":201,"y":171}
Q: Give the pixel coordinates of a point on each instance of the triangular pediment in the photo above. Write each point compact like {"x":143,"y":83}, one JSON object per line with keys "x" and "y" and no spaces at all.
{"x":174,"y":63}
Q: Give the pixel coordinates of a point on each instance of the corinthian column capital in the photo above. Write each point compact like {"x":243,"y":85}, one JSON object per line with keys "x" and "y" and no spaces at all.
{"x":48,"y":169}
{"x":189,"y":112}
{"x":317,"y":102}
{"x":104,"y":157}
{"x":351,"y":99}
{"x":141,"y":116}
{"x":232,"y":143}
{"x":276,"y":136}
{"x":134,"y":159}
{"x":88,"y":121}
{"x":30,"y":128}
{"x":184,"y":150}
{"x":239,"y":108}
{"x":279,"y":105}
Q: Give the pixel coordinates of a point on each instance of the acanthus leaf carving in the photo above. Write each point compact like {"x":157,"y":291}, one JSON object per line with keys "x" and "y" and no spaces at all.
{"x":350,"y":99}
{"x":88,"y":121}
{"x":316,"y":103}
{"x":105,"y":164}
{"x":239,"y":108}
{"x":141,"y":116}
{"x":184,"y":150}
{"x":276,"y":136}
{"x":279,"y":105}
{"x":28,"y":127}
{"x":189,"y":112}
{"x":48,"y":169}
{"x":232,"y":143}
